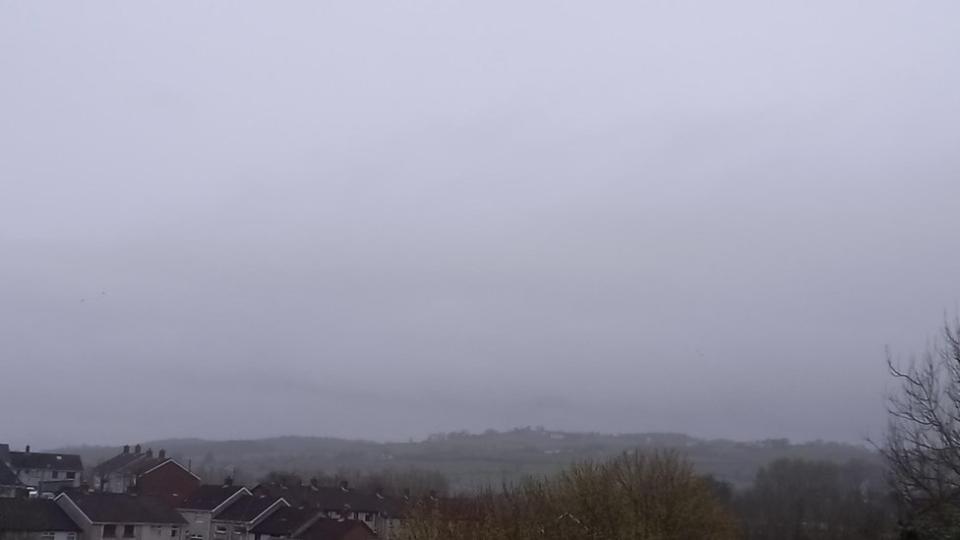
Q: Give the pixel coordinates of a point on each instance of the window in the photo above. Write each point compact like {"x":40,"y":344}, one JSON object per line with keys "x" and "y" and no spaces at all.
{"x":71,"y":475}
{"x":55,"y":475}
{"x":129,"y":531}
{"x":221,"y":530}
{"x":71,"y":536}
{"x":174,"y":532}
{"x":109,"y":531}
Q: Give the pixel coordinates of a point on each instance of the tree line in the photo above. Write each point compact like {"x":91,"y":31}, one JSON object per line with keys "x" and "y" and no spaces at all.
{"x":659,"y":496}
{"x":913,"y":494}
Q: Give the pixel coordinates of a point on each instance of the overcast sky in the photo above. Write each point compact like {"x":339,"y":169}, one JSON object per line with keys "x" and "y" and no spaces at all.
{"x":383,"y":219}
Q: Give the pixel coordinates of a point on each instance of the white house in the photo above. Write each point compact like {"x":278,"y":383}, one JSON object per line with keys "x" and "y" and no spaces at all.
{"x":114,"y":516}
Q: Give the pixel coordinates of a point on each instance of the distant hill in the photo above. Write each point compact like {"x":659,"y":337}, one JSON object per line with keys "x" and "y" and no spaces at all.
{"x":473,"y":460}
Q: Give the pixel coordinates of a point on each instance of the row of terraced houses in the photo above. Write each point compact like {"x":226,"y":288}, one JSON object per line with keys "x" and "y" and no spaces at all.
{"x":139,"y":495}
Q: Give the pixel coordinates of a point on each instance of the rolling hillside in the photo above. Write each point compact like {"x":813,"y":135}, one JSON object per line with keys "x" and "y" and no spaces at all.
{"x":472,"y":460}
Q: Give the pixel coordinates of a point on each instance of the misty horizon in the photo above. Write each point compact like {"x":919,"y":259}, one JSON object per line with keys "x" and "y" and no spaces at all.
{"x":382,"y":221}
{"x":157,"y":444}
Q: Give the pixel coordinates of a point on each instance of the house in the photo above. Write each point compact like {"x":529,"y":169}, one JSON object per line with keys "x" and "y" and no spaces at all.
{"x":286,"y":522}
{"x":308,"y":523}
{"x":247,"y":511}
{"x":45,"y":472}
{"x":10,"y":484}
{"x":114,"y":475}
{"x":35,"y":519}
{"x":121,"y":516}
{"x":331,"y":529}
{"x":142,"y":473}
{"x":205,"y":503}
{"x":379,"y":513}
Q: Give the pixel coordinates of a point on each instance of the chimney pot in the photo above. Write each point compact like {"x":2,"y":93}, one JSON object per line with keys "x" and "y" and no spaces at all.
{"x":150,"y":452}
{"x":136,"y":449}
{"x":27,"y":450}
{"x":126,"y":449}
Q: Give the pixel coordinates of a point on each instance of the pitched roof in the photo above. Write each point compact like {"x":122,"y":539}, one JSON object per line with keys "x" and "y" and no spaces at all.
{"x":122,"y":507}
{"x":334,"y":498}
{"x":130,"y":462}
{"x":40,"y":460}
{"x":286,"y":520}
{"x":331,"y":529}
{"x":117,"y":462}
{"x":34,"y":515}
{"x":247,"y":507}
{"x":8,"y":477}
{"x":208,"y":497}
{"x":145,"y":464}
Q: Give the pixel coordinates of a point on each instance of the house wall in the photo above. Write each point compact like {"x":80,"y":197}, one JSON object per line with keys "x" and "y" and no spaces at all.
{"x":160,"y":532}
{"x":113,"y":483}
{"x":386,"y":528}
{"x":33,"y":477}
{"x":198,"y":524}
{"x":168,"y":482}
{"x":9,"y":492}
{"x":37,"y":535}
{"x":141,"y":531}
{"x":235,"y":530}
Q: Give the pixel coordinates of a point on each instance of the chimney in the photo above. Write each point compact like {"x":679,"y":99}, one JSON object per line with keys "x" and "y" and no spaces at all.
{"x":162,"y":454}
{"x":136,"y":449}
{"x":344,"y":486}
{"x":126,"y":449}
{"x":150,"y":452}
{"x":228,"y":481}
{"x":27,"y":450}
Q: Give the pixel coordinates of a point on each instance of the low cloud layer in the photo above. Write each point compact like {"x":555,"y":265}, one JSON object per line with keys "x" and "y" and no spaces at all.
{"x":384,"y":220}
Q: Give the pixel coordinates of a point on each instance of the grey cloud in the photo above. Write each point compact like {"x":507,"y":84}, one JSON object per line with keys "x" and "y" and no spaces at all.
{"x":386,"y":220}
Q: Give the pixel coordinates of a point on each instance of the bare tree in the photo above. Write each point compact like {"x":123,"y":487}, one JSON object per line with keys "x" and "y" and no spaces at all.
{"x":634,"y":496}
{"x":922,"y":446}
